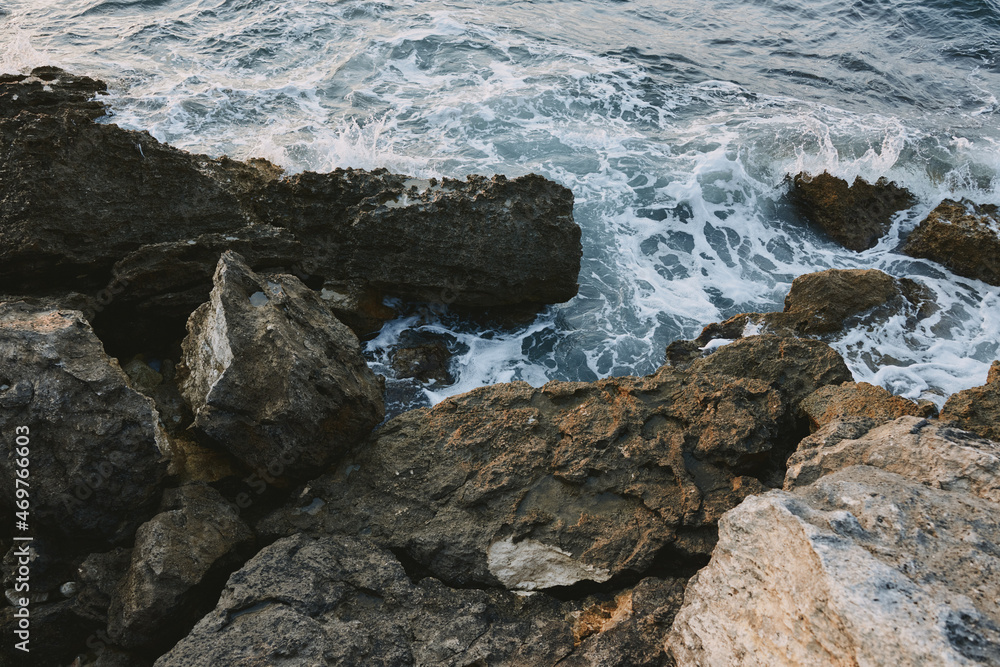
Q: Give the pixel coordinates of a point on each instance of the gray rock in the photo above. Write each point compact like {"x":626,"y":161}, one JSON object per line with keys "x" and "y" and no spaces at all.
{"x":98,"y":577}
{"x":863,"y":567}
{"x":96,"y":446}
{"x":272,"y":376}
{"x":176,"y":552}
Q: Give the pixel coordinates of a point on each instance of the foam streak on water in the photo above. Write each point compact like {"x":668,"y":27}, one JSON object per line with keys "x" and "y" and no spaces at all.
{"x":675,"y":125}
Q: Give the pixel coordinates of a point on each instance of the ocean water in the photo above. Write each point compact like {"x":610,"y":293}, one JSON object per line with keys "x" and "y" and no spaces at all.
{"x":674,"y":122}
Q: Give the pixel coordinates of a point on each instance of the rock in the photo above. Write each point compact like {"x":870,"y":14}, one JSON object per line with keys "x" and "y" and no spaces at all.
{"x":78,"y":198}
{"x":863,"y":567}
{"x":479,"y":242}
{"x":977,"y":409}
{"x":96,"y":446}
{"x":538,"y":488}
{"x":962,"y":236}
{"x":424,"y":360}
{"x":56,"y":634}
{"x":177,"y":553}
{"x":928,"y":452}
{"x":855,"y":216}
{"x":273,"y":377}
{"x":795,"y":367}
{"x":357,"y":306}
{"x":835,"y":402}
{"x":343,"y":601}
{"x":97,"y":580}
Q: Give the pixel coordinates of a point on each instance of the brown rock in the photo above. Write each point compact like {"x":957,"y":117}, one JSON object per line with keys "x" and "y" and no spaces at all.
{"x":833,"y":402}
{"x":962,"y":236}
{"x":977,"y":409}
{"x":855,"y":216}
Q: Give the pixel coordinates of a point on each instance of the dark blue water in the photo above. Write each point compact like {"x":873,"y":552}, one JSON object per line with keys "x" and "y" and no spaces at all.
{"x":674,"y":123}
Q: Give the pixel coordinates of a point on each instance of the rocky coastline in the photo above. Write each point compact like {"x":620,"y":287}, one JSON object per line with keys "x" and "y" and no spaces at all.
{"x":213,"y":481}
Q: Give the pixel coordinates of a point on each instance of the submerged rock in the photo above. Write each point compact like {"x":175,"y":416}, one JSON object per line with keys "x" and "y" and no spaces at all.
{"x":272,"y":376}
{"x":977,"y":409}
{"x":862,"y":567}
{"x":177,"y":553}
{"x":538,"y":488}
{"x":962,"y":236}
{"x":96,"y":445}
{"x":423,"y":358}
{"x":856,"y":216}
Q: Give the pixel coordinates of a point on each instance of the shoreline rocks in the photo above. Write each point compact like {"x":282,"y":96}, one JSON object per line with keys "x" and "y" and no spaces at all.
{"x":962,"y":236}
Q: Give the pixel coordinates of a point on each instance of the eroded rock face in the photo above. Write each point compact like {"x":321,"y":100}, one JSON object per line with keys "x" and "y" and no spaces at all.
{"x":862,"y":567}
{"x":272,"y":376}
{"x":836,"y":402}
{"x":340,"y":600}
{"x":977,"y":409}
{"x":96,"y":445}
{"x":856,"y":216}
{"x":962,"y":236}
{"x":537,"y":488}
{"x":929,"y":452}
{"x":176,"y":551}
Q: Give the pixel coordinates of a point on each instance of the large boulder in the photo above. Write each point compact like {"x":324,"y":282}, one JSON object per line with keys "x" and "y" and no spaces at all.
{"x":340,"y":600}
{"x":962,"y":236}
{"x":76,"y":197}
{"x":863,"y":567}
{"x":931,"y":452}
{"x":273,"y":376}
{"x":977,"y":409}
{"x":857,"y":215}
{"x":531,"y":489}
{"x":197,"y":538}
{"x":96,"y":447}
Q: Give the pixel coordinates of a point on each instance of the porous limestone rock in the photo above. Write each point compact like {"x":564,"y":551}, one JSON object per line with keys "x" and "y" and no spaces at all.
{"x":863,"y":567}
{"x":273,"y":376}
{"x":962,"y":236}
{"x":96,"y":447}
{"x":835,"y":402}
{"x":198,"y":536}
{"x":977,"y":409}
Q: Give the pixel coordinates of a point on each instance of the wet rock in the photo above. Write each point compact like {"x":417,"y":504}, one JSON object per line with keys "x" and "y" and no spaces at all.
{"x":96,"y":447}
{"x":962,"y":236}
{"x":835,"y":402}
{"x":537,"y":488}
{"x":424,"y":360}
{"x":273,"y":377}
{"x":177,"y":554}
{"x":862,"y":567}
{"x":928,"y":452}
{"x":977,"y":409}
{"x":857,"y":215}
{"x":479,"y":242}
{"x":339,"y":600}
{"x":50,"y":90}
{"x":795,"y":367}
{"x":357,"y":306}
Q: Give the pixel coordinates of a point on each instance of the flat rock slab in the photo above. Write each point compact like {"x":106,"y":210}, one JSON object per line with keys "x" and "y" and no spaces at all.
{"x":864,"y":567}
{"x":273,"y":376}
{"x":97,"y":449}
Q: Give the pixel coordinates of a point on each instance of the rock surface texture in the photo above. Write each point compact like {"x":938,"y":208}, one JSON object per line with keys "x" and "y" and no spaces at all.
{"x":977,"y":409}
{"x":863,"y":567}
{"x":480,"y":242}
{"x":537,"y":488}
{"x":197,"y":536}
{"x":835,"y":402}
{"x":961,"y":236}
{"x":856,"y":216}
{"x":273,"y":376}
{"x":96,"y":445}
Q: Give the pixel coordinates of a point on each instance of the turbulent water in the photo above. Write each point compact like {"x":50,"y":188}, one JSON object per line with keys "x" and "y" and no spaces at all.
{"x":674,"y":122}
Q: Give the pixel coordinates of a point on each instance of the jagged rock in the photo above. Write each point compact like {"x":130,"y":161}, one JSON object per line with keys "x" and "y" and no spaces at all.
{"x":96,"y":446}
{"x":927,"y":451}
{"x":536,"y":488}
{"x":863,"y":567}
{"x":835,"y":402}
{"x":479,"y":242}
{"x":424,"y":360}
{"x":357,"y":306}
{"x":76,"y":197}
{"x":977,"y":409}
{"x":177,"y":553}
{"x":343,"y":601}
{"x":795,"y":367}
{"x":97,"y":579}
{"x":273,"y":376}
{"x":55,"y":633}
{"x":855,"y":216}
{"x":962,"y":236}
